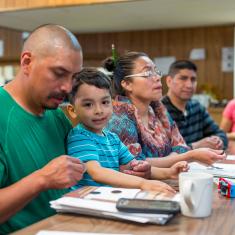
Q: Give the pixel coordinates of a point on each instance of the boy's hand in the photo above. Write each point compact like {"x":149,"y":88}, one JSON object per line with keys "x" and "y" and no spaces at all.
{"x":138,"y":168}
{"x":177,"y":168}
{"x":157,"y":186}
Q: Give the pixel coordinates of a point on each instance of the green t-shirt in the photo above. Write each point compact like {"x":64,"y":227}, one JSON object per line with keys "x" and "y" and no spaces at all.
{"x":27,"y":143}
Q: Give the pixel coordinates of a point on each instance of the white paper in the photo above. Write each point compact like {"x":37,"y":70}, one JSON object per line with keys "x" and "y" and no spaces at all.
{"x":87,"y":204}
{"x":219,"y":169}
{"x":103,"y":208}
{"x":163,"y":63}
{"x":227,"y":59}
{"x":8,"y":72}
{"x":230,"y":157}
{"x":112,"y":194}
{"x":197,"y":54}
{"x":1,"y":48}
{"x":47,"y":232}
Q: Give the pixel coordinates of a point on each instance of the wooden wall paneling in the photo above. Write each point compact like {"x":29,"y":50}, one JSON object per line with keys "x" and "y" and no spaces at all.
{"x":172,"y":42}
{"x":13,"y":5}
{"x":156,"y":43}
{"x":12,"y":44}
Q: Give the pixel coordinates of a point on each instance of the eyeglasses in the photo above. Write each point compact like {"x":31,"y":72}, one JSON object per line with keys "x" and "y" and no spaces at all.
{"x":147,"y":74}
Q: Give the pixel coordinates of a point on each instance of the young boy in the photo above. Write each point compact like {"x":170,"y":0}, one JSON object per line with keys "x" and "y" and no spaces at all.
{"x":102,"y":151}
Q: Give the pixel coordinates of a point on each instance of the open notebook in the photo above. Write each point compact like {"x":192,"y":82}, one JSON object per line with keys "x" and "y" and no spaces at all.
{"x":101,"y":202}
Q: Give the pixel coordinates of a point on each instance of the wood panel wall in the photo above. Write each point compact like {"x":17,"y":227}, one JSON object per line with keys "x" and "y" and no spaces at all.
{"x":13,"y":42}
{"x":12,"y":5}
{"x":170,"y":42}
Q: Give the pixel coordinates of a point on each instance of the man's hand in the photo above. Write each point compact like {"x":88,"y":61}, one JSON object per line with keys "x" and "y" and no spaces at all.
{"x":207,"y":156}
{"x":138,"y":168}
{"x":177,"y":168}
{"x":213,"y":142}
{"x":61,"y":172}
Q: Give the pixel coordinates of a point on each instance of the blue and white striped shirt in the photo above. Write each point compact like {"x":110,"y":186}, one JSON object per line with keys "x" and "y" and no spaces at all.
{"x":108,"y":150}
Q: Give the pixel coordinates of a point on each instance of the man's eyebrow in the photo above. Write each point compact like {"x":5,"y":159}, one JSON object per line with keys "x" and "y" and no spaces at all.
{"x":61,"y":68}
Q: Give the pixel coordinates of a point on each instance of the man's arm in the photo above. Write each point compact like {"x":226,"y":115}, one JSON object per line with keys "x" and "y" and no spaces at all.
{"x":210,"y":128}
{"x":62,"y":172}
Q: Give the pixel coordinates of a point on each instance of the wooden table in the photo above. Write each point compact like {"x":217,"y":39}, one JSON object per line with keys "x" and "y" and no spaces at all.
{"x":221,"y":222}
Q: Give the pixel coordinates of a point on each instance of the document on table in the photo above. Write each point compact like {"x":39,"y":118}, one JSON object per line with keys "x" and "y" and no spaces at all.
{"x":47,"y":232}
{"x":101,"y":202}
{"x":230,"y":157}
{"x":217,"y":169}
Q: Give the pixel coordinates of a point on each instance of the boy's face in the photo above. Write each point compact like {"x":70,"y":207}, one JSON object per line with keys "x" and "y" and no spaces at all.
{"x":93,"y":107}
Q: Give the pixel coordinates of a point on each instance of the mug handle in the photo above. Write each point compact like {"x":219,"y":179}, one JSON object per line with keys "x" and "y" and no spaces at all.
{"x":187,"y":186}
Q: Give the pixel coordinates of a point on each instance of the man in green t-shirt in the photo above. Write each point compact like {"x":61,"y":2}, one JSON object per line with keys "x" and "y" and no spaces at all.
{"x":33,"y":166}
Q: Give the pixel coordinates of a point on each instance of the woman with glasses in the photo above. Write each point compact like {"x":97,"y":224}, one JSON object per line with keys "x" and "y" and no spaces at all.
{"x":140,"y":119}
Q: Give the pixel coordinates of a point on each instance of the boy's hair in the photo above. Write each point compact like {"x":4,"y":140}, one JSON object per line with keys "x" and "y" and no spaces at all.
{"x":90,"y":76}
{"x":181,"y":64}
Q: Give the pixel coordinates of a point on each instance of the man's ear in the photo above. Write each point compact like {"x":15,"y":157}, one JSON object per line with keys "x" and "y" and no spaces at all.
{"x":25,"y":61}
{"x":71,"y":111}
{"x":168,"y":81}
{"x":126,"y":85}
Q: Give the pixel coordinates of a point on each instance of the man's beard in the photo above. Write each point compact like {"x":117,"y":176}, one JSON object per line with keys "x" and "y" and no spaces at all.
{"x":55,"y":95}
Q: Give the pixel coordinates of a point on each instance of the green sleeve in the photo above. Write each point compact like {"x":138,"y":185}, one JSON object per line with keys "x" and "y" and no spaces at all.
{"x":3,"y":172}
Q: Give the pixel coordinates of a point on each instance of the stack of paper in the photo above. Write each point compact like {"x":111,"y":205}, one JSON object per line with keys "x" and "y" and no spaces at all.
{"x":217,"y":169}
{"x":47,"y":232}
{"x":101,"y":202}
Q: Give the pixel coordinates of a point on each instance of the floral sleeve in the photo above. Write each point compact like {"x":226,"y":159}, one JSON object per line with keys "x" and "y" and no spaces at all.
{"x":126,"y":129}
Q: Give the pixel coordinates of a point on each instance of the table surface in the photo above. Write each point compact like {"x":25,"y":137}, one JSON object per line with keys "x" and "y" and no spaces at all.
{"x":221,"y":222}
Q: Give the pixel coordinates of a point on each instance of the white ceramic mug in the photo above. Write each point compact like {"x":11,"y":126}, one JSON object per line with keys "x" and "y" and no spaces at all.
{"x":196,"y":191}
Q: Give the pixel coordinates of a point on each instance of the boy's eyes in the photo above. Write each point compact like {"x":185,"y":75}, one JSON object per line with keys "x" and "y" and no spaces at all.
{"x":87,"y":105}
{"x":106,"y":102}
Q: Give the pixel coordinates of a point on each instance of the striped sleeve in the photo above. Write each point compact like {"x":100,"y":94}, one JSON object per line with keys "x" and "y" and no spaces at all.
{"x":124,"y":154}
{"x":80,"y":146}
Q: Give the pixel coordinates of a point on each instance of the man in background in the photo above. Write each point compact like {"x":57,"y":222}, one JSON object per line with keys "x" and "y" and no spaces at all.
{"x":34,"y":167}
{"x":194,"y":122}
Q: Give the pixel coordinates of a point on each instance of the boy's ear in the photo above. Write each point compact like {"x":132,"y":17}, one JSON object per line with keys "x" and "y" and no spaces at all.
{"x":71,"y":111}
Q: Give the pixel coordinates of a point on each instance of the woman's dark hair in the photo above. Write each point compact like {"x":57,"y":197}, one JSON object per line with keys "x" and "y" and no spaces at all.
{"x":91,"y":76}
{"x":124,"y":67}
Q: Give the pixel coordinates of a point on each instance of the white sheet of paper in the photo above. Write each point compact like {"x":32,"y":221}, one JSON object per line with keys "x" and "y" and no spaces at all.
{"x":47,"y":232}
{"x":197,"y":54}
{"x":1,"y":48}
{"x":112,"y":194}
{"x":87,"y":204}
{"x":227,"y":170}
{"x":230,"y":157}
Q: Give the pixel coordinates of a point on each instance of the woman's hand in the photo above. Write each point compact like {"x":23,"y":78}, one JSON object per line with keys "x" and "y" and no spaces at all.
{"x":207,"y":156}
{"x":138,"y":168}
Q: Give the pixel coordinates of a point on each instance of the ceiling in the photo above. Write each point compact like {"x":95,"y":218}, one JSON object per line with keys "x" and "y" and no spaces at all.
{"x":125,"y":16}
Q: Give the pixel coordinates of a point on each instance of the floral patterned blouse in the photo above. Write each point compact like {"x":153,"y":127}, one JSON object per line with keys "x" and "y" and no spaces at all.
{"x":159,"y":140}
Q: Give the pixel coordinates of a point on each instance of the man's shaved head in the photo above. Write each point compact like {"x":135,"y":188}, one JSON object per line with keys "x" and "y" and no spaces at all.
{"x":46,"y":39}
{"x":50,"y":58}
